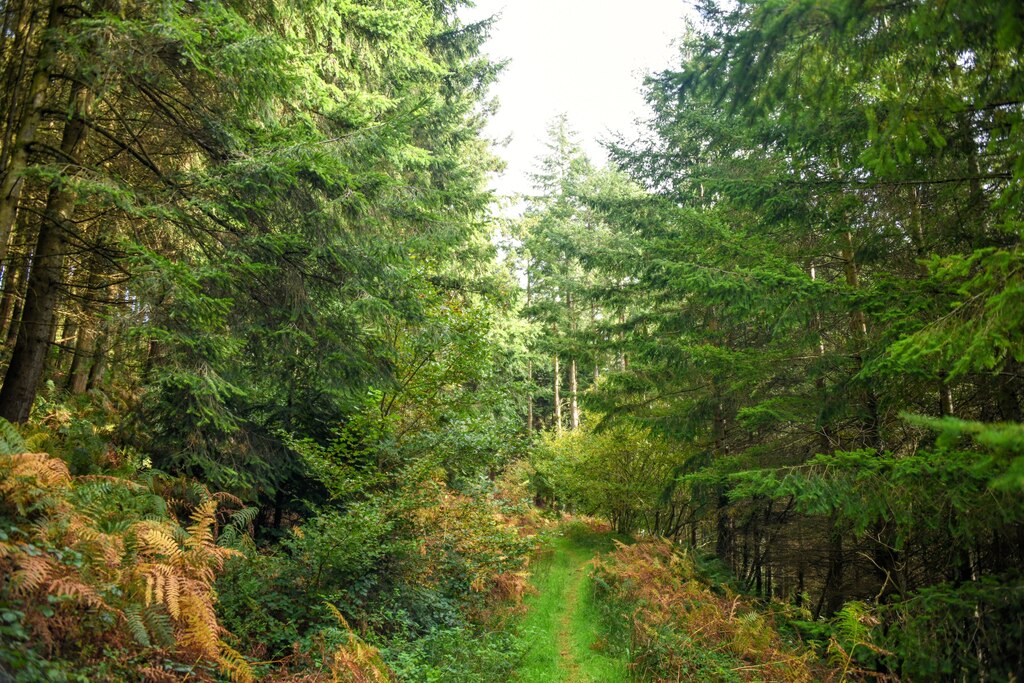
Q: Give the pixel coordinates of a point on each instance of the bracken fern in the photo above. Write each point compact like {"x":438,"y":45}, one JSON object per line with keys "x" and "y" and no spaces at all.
{"x":153,"y":576}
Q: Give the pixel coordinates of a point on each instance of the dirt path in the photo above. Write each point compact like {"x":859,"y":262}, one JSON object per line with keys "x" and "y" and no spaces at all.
{"x":562,"y":630}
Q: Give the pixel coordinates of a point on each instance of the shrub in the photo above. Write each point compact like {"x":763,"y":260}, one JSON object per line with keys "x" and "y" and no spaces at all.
{"x":424,"y":573}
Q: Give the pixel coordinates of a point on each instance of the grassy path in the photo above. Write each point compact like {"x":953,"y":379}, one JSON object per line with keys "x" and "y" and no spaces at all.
{"x":562,"y":630}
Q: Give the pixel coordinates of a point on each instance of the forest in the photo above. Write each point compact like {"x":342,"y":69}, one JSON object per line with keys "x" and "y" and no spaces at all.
{"x":286,"y":397}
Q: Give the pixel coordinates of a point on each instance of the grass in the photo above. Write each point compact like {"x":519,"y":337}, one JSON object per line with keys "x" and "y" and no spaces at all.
{"x":562,"y":629}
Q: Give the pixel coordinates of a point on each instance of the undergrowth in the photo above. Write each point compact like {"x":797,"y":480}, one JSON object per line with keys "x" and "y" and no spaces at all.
{"x":112,"y":571}
{"x":677,"y":629}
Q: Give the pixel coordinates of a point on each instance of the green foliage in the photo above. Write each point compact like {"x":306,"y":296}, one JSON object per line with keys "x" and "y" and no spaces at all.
{"x":619,"y":473}
{"x":421,"y":569}
{"x":932,"y":626}
{"x":454,"y":654}
{"x":807,"y":288}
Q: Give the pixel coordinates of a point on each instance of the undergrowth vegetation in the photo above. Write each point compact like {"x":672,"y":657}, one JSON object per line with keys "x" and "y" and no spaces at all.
{"x":680,"y":629}
{"x":132,"y":574}
{"x":94,"y":563}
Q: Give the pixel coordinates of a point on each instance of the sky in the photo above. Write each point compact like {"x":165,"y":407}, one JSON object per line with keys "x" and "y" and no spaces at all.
{"x":584,"y":58}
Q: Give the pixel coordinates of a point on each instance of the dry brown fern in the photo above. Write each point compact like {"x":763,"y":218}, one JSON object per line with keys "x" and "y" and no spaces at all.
{"x":151,"y":565}
{"x":356,"y":661}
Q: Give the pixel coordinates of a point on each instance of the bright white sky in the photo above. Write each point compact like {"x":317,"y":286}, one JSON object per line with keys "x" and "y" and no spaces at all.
{"x":586,"y":58}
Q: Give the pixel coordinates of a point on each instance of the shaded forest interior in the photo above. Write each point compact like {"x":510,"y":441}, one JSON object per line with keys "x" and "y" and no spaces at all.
{"x":284,"y":398}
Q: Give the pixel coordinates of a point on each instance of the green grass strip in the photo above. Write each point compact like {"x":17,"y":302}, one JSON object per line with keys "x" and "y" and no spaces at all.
{"x":562,"y":629}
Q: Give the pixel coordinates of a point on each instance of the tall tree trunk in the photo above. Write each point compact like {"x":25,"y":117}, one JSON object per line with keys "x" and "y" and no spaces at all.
{"x":78,"y":373}
{"x":44,"y":285}
{"x":917,"y":236}
{"x":859,"y":328}
{"x":529,"y":398}
{"x":726,"y":536}
{"x":14,"y":280}
{"x":13,"y":178}
{"x":20,"y":19}
{"x":574,"y":406}
{"x":824,"y":445}
{"x":574,"y":409}
{"x":529,"y":363}
{"x":85,"y":338}
{"x":558,"y":397}
{"x":99,"y":361}
{"x":19,"y":304}
{"x":832,"y":593}
{"x":66,"y":342}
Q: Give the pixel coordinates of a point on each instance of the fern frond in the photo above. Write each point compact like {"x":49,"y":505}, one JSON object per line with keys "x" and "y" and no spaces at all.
{"x":204,"y":518}
{"x":336,"y":613}
{"x":198,"y":492}
{"x":151,"y":674}
{"x":229,"y":498}
{"x":159,"y":624}
{"x":33,"y":572}
{"x":163,"y":587}
{"x":79,"y":591}
{"x":201,"y":631}
{"x":133,"y":620}
{"x":11,"y":441}
{"x":245,"y":517}
{"x":234,"y":665}
{"x":109,"y":480}
{"x":156,"y":539}
{"x":50,"y":472}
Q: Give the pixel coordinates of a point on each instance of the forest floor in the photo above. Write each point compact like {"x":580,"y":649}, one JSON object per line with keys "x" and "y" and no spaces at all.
{"x":562,"y":629}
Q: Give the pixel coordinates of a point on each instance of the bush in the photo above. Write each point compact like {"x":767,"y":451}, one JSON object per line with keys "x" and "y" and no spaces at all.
{"x":424,"y":573}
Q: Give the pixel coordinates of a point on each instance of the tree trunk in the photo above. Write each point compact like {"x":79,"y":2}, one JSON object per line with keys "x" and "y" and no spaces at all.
{"x":574,"y":406}
{"x":859,"y":328}
{"x":726,"y":537}
{"x":20,"y":19}
{"x":14,"y":279}
{"x":13,"y":178}
{"x":44,"y":285}
{"x":66,"y":343}
{"x":99,"y":362}
{"x":832,"y":592}
{"x":529,"y":398}
{"x":945,"y":396}
{"x":78,"y":374}
{"x":529,"y":363}
{"x":558,"y":397}
{"x":19,"y":304}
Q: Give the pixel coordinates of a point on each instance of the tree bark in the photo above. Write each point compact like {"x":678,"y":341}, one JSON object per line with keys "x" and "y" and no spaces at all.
{"x":574,"y":406}
{"x":14,"y":279}
{"x":19,"y":304}
{"x":558,"y":397}
{"x":13,"y":178}
{"x":529,"y":398}
{"x":529,"y":363}
{"x":45,"y":280}
{"x":99,"y":362}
